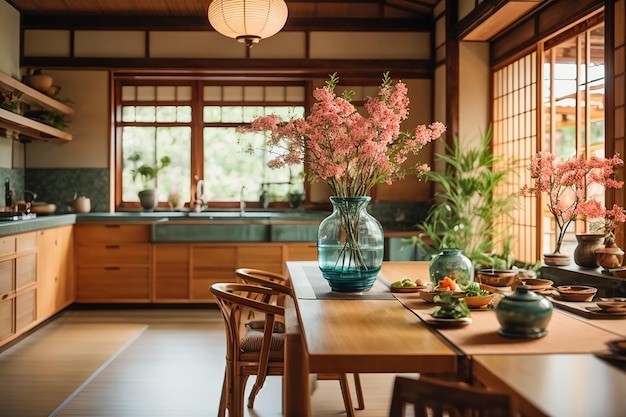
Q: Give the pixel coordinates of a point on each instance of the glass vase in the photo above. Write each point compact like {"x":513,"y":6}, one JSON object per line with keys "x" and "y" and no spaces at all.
{"x":350,"y":245}
{"x":451,"y":263}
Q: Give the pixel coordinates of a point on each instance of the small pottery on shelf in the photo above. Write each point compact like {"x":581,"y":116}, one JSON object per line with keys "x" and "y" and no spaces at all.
{"x":524,"y":314}
{"x":584,"y":254}
{"x":556,"y":259}
{"x":609,"y":258}
{"x":148,"y":199}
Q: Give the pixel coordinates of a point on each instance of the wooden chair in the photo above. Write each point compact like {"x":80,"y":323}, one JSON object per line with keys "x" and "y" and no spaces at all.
{"x":268,"y":278}
{"x":258,"y":351}
{"x":266,"y":358}
{"x":436,"y":398}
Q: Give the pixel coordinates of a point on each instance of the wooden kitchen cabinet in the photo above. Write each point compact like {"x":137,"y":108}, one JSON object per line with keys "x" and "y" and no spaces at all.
{"x":55,"y":270}
{"x":113,"y":263}
{"x":172,"y":272}
{"x":18,"y":285}
{"x":268,"y":257}
{"x":211,"y":263}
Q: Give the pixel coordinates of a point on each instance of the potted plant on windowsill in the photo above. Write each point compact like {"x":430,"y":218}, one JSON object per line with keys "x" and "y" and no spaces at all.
{"x":148,"y":196}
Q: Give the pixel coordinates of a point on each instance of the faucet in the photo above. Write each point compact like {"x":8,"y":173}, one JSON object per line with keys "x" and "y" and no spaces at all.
{"x":242,"y":203}
{"x":199,"y":204}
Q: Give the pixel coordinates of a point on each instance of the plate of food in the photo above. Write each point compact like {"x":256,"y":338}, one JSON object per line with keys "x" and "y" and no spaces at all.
{"x":477,"y":297}
{"x":463,"y":321}
{"x":409,"y":285}
{"x":452,"y":311}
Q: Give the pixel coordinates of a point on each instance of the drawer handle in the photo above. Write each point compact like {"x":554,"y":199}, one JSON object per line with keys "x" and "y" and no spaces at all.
{"x":112,"y":246}
{"x":112,"y":268}
{"x":112,"y":225}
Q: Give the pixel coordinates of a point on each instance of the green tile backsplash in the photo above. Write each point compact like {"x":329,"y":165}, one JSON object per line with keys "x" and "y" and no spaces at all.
{"x":57,"y":185}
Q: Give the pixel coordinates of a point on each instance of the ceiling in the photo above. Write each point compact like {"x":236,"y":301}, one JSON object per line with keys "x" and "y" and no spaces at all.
{"x":312,"y":13}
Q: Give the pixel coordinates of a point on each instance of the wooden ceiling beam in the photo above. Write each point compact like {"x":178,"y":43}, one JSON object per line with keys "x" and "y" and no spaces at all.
{"x":244,"y":67}
{"x":189,"y":23}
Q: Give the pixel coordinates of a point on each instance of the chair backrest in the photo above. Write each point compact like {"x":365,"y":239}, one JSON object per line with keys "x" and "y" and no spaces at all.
{"x":267,"y":279}
{"x":437,"y":398}
{"x":259,"y":276}
{"x":235,"y":302}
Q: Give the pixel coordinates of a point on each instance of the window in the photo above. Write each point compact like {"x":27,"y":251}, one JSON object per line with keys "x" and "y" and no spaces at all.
{"x":573,"y":110}
{"x":194,"y":123}
{"x":567,"y":117}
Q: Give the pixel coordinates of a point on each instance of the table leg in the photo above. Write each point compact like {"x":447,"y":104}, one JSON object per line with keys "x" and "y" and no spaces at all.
{"x":296,"y":384}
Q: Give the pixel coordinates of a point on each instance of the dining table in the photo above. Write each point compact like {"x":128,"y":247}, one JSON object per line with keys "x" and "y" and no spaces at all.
{"x":380,"y":331}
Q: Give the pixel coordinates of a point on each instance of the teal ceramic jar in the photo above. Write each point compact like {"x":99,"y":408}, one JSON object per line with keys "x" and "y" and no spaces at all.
{"x":451,"y":263}
{"x":524,"y":314}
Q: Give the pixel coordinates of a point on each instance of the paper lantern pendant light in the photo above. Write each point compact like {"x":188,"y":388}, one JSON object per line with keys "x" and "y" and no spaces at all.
{"x":248,"y":21}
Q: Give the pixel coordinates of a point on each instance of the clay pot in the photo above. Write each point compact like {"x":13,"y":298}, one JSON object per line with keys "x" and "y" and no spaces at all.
{"x":609,"y":258}
{"x":584,"y":254}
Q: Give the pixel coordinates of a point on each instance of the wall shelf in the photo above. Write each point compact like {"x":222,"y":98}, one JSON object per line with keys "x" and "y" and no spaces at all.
{"x":29,"y":127}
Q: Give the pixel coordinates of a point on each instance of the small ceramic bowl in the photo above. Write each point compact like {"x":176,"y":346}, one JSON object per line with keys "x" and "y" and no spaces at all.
{"x":576,"y":292}
{"x":429,"y":296}
{"x":479,"y":301}
{"x":535,"y":284}
{"x":497,"y":277}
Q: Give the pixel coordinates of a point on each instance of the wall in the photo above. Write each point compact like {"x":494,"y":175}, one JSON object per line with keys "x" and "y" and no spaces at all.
{"x":474,"y":92}
{"x":11,"y":152}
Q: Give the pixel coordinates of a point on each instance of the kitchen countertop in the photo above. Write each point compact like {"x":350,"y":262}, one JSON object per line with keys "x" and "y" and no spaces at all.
{"x":277,"y":217}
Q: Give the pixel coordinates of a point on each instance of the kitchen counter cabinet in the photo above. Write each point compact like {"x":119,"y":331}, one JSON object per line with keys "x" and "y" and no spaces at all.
{"x":211,"y":263}
{"x":172,"y":271}
{"x":18,"y":285}
{"x":113,"y":263}
{"x":55,"y":270}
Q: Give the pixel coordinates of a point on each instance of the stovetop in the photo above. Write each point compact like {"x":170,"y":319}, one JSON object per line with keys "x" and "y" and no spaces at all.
{"x":10,"y":216}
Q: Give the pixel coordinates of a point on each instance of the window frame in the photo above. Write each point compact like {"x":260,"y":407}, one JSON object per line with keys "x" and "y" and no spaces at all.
{"x":197,"y":124}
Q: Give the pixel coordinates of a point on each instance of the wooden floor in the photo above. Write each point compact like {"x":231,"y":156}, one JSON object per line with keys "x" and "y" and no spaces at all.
{"x":148,"y":363}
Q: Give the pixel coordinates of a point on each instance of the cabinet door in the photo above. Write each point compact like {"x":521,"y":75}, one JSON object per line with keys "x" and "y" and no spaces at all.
{"x":7,"y":318}
{"x":211,"y":264}
{"x":171,"y":272}
{"x":25,"y":310}
{"x":268,"y":257}
{"x":113,"y":284}
{"x":55,"y":271}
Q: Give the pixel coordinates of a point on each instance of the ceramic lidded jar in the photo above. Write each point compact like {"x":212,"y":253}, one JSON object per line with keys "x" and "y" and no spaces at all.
{"x":451,"y":263}
{"x":524,"y":314}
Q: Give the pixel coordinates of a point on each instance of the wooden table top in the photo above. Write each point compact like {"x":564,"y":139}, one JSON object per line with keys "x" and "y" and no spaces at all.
{"x":556,"y":385}
{"x":348,"y":335}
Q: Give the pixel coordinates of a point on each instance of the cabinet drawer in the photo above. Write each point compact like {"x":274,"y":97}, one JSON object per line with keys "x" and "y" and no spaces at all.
{"x":7,"y":318}
{"x":7,"y":245}
{"x":113,"y":254}
{"x":130,"y":283}
{"x":213,"y":257}
{"x":25,"y":270}
{"x":26,"y":241}
{"x":265,"y":257}
{"x":112,"y":233}
{"x":25,"y":309}
{"x":7,"y":276}
{"x":301,"y":252}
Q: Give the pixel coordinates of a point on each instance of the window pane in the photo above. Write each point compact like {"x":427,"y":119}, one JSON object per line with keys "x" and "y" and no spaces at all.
{"x":145,"y":114}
